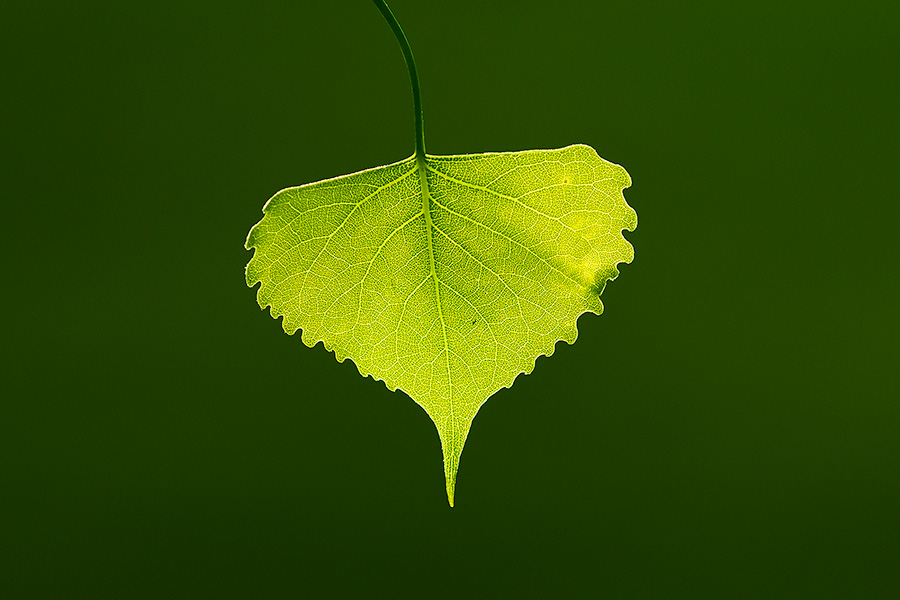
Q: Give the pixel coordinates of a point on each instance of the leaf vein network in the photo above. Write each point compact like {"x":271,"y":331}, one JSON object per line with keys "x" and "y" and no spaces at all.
{"x":347,"y":218}
{"x":514,"y":241}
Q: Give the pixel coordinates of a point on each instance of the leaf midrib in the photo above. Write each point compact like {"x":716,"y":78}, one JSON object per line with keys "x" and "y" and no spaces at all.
{"x":429,"y":228}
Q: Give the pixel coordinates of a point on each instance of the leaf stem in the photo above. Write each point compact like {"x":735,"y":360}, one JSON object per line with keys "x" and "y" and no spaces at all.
{"x":413,"y":74}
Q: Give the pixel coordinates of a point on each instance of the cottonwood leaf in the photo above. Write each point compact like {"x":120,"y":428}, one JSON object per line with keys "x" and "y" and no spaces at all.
{"x":445,"y":276}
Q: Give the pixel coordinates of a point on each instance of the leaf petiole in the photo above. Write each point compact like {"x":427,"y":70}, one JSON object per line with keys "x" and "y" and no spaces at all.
{"x":413,"y":74}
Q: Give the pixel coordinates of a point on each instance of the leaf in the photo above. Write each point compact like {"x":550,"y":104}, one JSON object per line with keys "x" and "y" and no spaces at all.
{"x":447,"y":276}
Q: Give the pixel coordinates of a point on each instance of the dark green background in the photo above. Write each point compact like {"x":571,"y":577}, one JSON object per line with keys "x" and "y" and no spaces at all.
{"x":729,"y":428}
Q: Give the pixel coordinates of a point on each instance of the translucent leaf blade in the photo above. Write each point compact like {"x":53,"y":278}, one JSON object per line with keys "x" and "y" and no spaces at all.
{"x":446,"y":281}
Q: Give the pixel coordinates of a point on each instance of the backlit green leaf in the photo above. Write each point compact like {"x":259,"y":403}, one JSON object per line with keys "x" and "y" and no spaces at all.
{"x":445,"y":276}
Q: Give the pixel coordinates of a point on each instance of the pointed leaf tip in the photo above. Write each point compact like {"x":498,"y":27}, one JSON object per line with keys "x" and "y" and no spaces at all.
{"x":450,"y":478}
{"x":453,"y":438}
